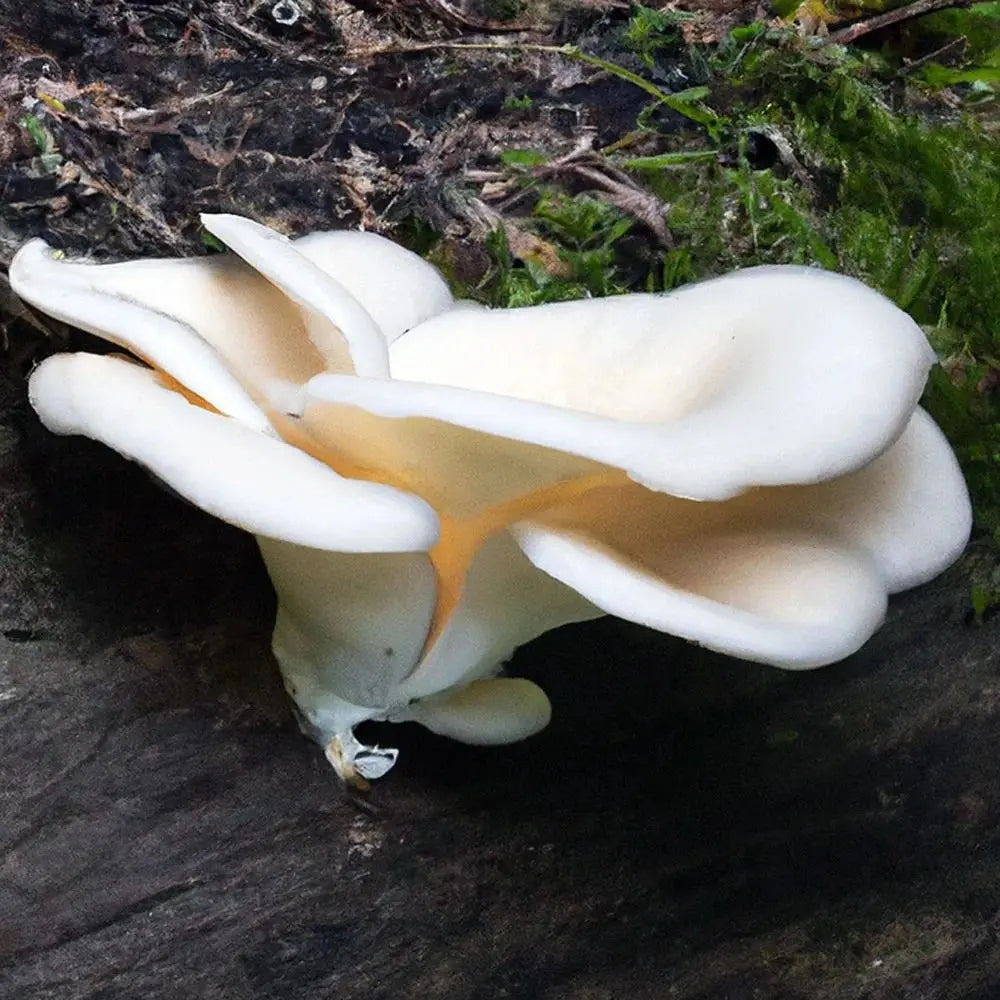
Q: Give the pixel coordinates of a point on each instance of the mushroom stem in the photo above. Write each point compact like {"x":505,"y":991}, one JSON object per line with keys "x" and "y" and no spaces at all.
{"x":356,"y":764}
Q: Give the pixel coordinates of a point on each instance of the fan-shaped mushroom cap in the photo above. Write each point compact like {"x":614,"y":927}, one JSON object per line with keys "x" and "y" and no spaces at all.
{"x":769,"y":376}
{"x":796,"y":576}
{"x":739,"y":462}
{"x":240,"y":475}
{"x":226,"y":329}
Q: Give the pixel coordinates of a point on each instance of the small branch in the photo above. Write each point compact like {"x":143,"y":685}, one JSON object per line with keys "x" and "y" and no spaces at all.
{"x":946,"y":49}
{"x":613,"y":186}
{"x":845,"y":36}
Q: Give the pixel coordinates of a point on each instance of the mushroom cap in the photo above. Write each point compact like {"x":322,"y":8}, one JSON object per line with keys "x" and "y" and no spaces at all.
{"x":332,"y":314}
{"x":738,"y":462}
{"x":398,"y":289}
{"x":795,"y":576}
{"x":237,"y":474}
{"x":766,"y":377}
{"x":489,"y":712}
{"x":224,"y":327}
{"x":787,"y":599}
{"x":130,"y":306}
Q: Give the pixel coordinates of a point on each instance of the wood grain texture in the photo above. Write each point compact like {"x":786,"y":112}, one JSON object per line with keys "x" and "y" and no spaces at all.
{"x":688,"y":826}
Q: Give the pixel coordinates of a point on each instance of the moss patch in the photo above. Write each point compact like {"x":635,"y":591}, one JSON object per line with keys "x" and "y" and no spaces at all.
{"x":811,"y":153}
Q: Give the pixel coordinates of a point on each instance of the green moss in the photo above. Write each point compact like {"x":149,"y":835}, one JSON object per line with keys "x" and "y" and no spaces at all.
{"x":796,"y":151}
{"x":518,"y":102}
{"x":650,"y":31}
{"x":978,"y":25}
{"x":211,"y":242}
{"x":911,"y":205}
{"x":869,"y":176}
{"x":39,"y":134}
{"x":962,"y":47}
{"x":584,"y":233}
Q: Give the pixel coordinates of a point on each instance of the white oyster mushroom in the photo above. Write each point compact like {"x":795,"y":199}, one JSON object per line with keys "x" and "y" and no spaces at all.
{"x":741,"y":462}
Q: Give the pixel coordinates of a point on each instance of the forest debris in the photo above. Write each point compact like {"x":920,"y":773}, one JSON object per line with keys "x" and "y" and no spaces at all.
{"x":453,"y":14}
{"x":218,"y":158}
{"x":845,"y":36}
{"x":786,"y":154}
{"x":614,"y":186}
{"x":523,"y":244}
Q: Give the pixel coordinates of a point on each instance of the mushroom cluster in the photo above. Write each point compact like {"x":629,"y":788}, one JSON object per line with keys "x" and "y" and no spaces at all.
{"x":741,"y":462}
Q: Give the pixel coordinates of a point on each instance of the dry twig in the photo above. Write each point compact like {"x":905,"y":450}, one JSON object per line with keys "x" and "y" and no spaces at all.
{"x":613,"y":186}
{"x":845,"y":36}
